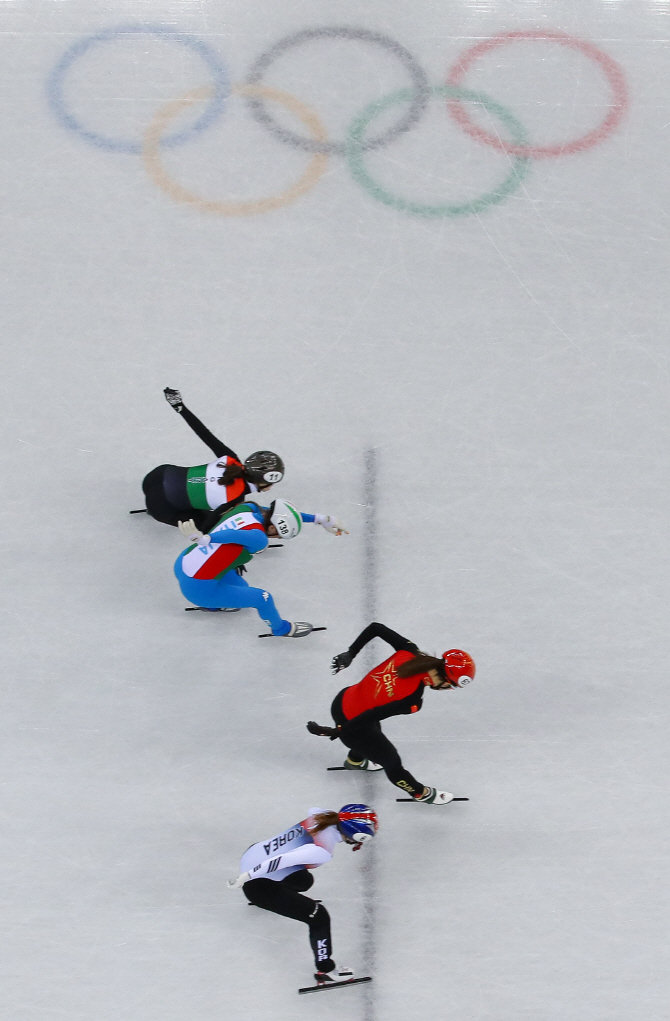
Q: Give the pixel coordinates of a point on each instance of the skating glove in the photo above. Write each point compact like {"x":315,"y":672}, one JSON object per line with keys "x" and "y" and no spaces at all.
{"x":331,"y":524}
{"x":193,"y":534}
{"x":341,"y":662}
{"x":237,"y":884}
{"x":319,"y":731}
{"x":173,"y":397}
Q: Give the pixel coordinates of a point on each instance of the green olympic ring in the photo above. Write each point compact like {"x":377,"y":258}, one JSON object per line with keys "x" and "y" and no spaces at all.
{"x":356,"y":151}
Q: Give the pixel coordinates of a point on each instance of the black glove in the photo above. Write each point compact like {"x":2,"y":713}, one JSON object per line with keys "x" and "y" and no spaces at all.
{"x":241,"y":570}
{"x":173,"y":397}
{"x":341,"y":662}
{"x":319,"y":731}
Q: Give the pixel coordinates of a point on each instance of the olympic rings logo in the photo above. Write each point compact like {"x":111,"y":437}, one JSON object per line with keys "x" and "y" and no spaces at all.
{"x":362,"y":136}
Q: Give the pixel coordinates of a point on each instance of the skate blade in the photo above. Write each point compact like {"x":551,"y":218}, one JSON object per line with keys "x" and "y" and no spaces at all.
{"x":424,"y":802}
{"x":334,"y":984}
{"x":214,"y":609}
{"x":270,"y":635}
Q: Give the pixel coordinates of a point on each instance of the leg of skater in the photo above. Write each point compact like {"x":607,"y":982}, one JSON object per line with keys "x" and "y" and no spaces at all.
{"x":164,"y":491}
{"x":231,"y":592}
{"x":158,"y":505}
{"x":283,"y":899}
{"x":368,"y":742}
{"x":243,"y":594}
{"x":300,"y":881}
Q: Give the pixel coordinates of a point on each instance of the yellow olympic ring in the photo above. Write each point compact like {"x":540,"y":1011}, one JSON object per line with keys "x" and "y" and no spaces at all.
{"x":167,"y":113}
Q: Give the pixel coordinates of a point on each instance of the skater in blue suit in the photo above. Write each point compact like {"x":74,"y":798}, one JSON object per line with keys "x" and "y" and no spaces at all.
{"x":209,"y":570}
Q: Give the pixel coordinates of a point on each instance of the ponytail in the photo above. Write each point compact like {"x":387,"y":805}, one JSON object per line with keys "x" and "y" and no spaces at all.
{"x":323,"y":820}
{"x":233,"y":471}
{"x":421,"y":664}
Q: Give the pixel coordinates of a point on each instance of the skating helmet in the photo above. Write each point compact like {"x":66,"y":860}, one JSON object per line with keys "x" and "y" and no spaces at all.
{"x":286,"y":519}
{"x":459,"y":667}
{"x":358,"y":822}
{"x":264,"y":468}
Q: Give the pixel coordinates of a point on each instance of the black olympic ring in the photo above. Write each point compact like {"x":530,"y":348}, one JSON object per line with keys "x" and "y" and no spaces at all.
{"x":421,"y":87}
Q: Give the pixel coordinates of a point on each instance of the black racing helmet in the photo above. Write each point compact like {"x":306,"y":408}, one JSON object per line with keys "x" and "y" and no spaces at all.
{"x":264,"y":468}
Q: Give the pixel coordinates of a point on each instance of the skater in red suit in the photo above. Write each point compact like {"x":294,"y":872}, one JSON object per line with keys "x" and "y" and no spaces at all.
{"x":394,"y":688}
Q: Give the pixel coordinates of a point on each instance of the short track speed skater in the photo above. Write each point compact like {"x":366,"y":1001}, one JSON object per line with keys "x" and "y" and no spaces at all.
{"x":395,"y":687}
{"x":276,"y":873}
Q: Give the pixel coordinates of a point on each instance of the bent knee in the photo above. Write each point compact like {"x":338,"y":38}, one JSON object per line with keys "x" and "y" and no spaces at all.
{"x":258,"y":890}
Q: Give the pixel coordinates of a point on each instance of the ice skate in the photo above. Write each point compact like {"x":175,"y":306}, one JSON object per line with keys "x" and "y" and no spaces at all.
{"x":366,"y":764}
{"x":435,"y":797}
{"x":334,"y":979}
{"x":299,"y":630}
{"x":337,"y":974}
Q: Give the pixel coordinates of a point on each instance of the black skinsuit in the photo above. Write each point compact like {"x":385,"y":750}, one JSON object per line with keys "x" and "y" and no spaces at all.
{"x":165,"y":487}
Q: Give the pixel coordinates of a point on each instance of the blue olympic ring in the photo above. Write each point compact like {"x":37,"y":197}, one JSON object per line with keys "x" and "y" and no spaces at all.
{"x":55,"y":82}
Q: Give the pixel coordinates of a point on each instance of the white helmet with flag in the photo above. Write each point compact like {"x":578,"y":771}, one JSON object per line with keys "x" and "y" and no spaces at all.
{"x":286,"y":519}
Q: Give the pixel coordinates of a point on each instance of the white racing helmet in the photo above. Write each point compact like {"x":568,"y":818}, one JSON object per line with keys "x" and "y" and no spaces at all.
{"x":286,"y":519}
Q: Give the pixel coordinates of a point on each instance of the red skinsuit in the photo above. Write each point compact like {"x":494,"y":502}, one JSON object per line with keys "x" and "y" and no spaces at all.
{"x":381,"y":686}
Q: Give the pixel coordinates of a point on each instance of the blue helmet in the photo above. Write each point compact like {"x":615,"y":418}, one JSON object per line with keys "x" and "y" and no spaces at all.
{"x":358,"y":822}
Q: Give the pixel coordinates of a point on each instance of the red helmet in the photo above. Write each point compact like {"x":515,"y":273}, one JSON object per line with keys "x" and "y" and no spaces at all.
{"x":459,"y":667}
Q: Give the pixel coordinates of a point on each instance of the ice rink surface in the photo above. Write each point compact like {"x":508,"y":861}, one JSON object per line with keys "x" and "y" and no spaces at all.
{"x":489,"y":316}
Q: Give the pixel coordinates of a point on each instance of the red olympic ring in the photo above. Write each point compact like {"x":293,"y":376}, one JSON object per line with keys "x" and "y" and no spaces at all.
{"x":608,"y":66}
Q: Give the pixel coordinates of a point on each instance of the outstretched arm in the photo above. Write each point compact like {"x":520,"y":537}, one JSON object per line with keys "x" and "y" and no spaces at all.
{"x":372,"y":631}
{"x":219,"y":449}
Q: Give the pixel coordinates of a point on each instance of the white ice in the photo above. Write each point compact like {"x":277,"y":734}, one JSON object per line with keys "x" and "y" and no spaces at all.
{"x":510,"y":368}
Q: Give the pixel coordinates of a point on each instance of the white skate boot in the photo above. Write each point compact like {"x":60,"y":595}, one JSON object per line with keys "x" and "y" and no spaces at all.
{"x":331,"y":977}
{"x":367,"y":764}
{"x":435,"y":797}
